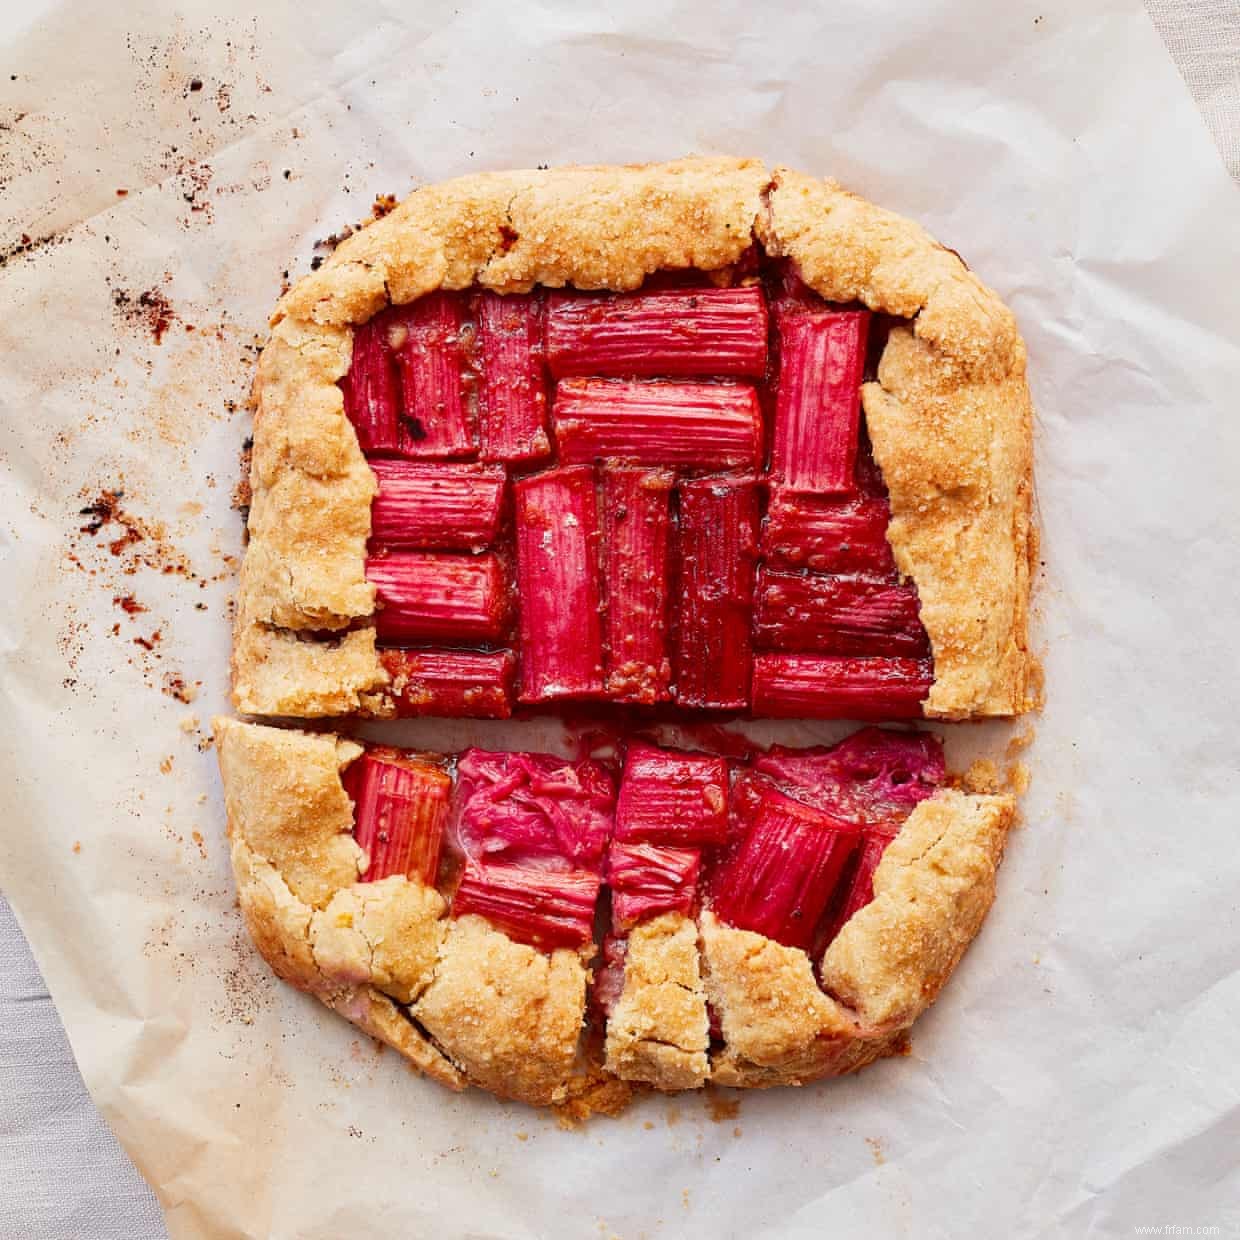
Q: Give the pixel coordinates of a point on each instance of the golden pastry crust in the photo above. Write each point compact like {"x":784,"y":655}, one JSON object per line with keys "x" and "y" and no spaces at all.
{"x":508,"y":1015}
{"x":950,"y":415}
{"x":932,"y":890}
{"x":509,"y":1018}
{"x":342,"y":941}
{"x":658,"y":1031}
{"x":952,"y":428}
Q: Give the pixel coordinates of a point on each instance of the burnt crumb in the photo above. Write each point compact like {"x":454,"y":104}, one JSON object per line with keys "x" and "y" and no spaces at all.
{"x":382,"y":205}
{"x":288,"y":172}
{"x":176,"y":686}
{"x":27,"y":246}
{"x":122,"y":193}
{"x":128,"y":604}
{"x":332,"y":240}
{"x":101,"y":511}
{"x":150,"y":309}
{"x":196,"y":84}
{"x":316,"y":262}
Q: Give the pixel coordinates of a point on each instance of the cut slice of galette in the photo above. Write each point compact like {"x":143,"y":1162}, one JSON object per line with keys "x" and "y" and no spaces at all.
{"x":537,"y":926}
{"x":688,"y":437}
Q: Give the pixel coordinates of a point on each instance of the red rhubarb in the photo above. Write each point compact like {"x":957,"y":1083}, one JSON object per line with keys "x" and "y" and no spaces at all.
{"x":609,"y":975}
{"x":372,"y":390}
{"x":828,"y":535}
{"x":857,"y":888}
{"x":837,"y":615}
{"x":453,"y":684}
{"x":636,"y":513}
{"x":818,"y":403}
{"x":693,"y":425}
{"x":718,"y":542}
{"x":532,"y":808}
{"x":558,"y":583}
{"x":779,"y":880}
{"x":430,"y":339}
{"x":452,"y":507}
{"x":668,"y":797}
{"x":513,"y":413}
{"x":400,"y":808}
{"x":874,"y":778}
{"x":546,"y":909}
{"x":699,"y":331}
{"x":425,"y":596}
{"x":811,"y":686}
{"x":646,"y":880}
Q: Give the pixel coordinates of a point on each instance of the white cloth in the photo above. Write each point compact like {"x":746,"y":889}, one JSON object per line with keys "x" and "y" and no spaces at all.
{"x":63,"y":1176}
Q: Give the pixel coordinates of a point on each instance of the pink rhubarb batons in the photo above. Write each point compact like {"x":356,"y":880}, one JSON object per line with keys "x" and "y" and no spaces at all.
{"x":372,"y":389}
{"x":468,"y":684}
{"x":636,"y":514}
{"x":546,"y":909}
{"x":714,"y":595}
{"x":427,"y":596}
{"x":429,"y":339}
{"x":400,"y":809}
{"x":513,"y":413}
{"x":646,"y":879}
{"x":697,"y":331}
{"x":779,"y":878}
{"x":818,"y":402}
{"x":810,"y":612}
{"x":815,"y":686}
{"x":558,"y":584}
{"x":440,"y":505}
{"x":828,"y":534}
{"x":692,"y":425}
{"x":668,"y":797}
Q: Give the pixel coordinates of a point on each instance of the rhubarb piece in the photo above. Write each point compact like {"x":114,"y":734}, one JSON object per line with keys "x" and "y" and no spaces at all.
{"x":372,"y":390}
{"x":430,"y":340}
{"x":693,"y":425}
{"x":425,"y":596}
{"x":818,"y":403}
{"x":513,"y":421}
{"x":718,"y":542}
{"x":778,"y":882}
{"x":446,"y":506}
{"x":838,"y":615}
{"x":401,"y":806}
{"x":790,"y":295}
{"x":532,"y":808}
{"x":609,"y":976}
{"x":646,"y":879}
{"x":672,"y":798}
{"x":706,"y":331}
{"x":828,"y":535}
{"x":636,"y":509}
{"x":544,"y":908}
{"x":812,"y":686}
{"x":857,"y":888}
{"x":452,"y":684}
{"x":867,"y":477}
{"x":557,"y":578}
{"x":874,"y":778}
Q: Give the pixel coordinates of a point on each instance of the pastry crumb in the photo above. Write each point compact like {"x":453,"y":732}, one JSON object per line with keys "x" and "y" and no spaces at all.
{"x":982,"y":777}
{"x":77,"y":846}
{"x":189,"y":723}
{"x":876,"y":1149}
{"x":165,"y":767}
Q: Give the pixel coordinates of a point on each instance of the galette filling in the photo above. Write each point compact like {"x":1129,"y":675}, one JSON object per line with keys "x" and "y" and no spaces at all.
{"x":664,"y":498}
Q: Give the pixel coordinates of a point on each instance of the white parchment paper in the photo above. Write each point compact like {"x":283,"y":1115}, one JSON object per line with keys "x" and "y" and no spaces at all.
{"x":162,"y":166}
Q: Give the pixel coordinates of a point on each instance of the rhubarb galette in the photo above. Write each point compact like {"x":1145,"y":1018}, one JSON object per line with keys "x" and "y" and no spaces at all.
{"x":562,"y":931}
{"x":597,"y":434}
{"x":672,"y":442}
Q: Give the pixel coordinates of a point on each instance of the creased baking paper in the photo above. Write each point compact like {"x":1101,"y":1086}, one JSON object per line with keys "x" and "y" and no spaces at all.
{"x":162,"y":168}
